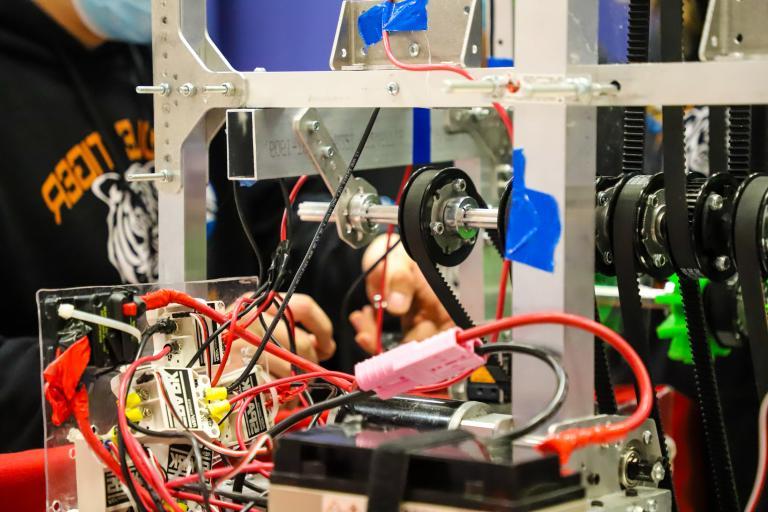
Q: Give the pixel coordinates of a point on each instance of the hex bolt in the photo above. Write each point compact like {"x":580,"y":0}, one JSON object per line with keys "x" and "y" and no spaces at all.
{"x":414,"y":49}
{"x":647,"y":437}
{"x":393,"y":88}
{"x":659,"y":260}
{"x":715,"y":202}
{"x":328,"y":152}
{"x":437,"y":228}
{"x":162,"y":176}
{"x":460,"y":185}
{"x":187,"y":89}
{"x":226,"y":89}
{"x":161,"y":89}
{"x":722,"y":263}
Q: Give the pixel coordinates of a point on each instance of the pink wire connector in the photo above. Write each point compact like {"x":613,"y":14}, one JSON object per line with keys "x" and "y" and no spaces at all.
{"x":417,"y":364}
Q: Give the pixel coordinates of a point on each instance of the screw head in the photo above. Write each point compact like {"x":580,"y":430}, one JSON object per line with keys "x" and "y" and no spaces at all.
{"x":329,"y":152}
{"x":602,"y":198}
{"x":313,"y":126}
{"x":608,"y":257}
{"x":647,"y":437}
{"x":460,"y":185}
{"x":722,"y":263}
{"x":658,"y":472}
{"x":437,"y":228}
{"x":414,"y":49}
{"x":659,"y":260}
{"x":715,"y":202}
{"x":393,"y":88}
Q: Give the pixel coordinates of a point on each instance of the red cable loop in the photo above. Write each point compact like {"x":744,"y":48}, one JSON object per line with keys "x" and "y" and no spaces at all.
{"x":565,"y":442}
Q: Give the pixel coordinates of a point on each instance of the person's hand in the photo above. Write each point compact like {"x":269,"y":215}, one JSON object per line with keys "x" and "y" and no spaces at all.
{"x":314,"y":340}
{"x":408,"y":296}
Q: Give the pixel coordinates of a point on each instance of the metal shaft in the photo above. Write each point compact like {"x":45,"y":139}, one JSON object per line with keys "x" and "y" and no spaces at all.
{"x":483,"y":218}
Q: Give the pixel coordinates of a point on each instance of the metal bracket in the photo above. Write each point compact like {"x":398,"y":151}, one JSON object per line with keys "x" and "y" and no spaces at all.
{"x":735,"y":30}
{"x":193,"y":84}
{"x":601,"y":465}
{"x":357,"y":195}
{"x":455,"y":35}
{"x":485,"y":128}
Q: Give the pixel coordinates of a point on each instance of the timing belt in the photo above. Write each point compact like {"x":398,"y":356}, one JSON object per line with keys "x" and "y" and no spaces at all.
{"x":748,"y":215}
{"x":625,"y":225}
{"x":681,"y":250}
{"x":415,"y":228}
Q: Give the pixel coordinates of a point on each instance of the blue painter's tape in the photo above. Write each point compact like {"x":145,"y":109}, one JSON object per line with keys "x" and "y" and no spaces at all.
{"x":500,"y":62}
{"x":533,"y":227}
{"x":406,"y":15}
{"x":370,"y":23}
{"x":422,"y":136}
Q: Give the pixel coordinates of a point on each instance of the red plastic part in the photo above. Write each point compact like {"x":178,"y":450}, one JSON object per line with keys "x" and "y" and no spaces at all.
{"x":62,"y":377}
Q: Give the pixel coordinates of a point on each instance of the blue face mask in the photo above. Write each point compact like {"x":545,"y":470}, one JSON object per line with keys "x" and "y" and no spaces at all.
{"x":129,"y":21}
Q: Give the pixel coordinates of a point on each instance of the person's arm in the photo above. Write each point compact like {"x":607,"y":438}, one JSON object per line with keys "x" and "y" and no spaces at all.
{"x":21,"y":426}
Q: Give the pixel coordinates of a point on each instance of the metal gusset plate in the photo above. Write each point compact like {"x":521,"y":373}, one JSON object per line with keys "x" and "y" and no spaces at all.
{"x":325,"y":157}
{"x":454,"y":35}
{"x":735,"y":29}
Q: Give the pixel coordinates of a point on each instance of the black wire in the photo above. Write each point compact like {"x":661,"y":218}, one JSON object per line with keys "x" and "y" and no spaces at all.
{"x":317,"y":408}
{"x":195,"y":449}
{"x":257,"y":299}
{"x":125,"y":470}
{"x":166,"y":326}
{"x":557,"y":398}
{"x":288,"y":208}
{"x":234,"y":496}
{"x":310,"y":250}
{"x":247,"y":230}
{"x":362,"y":277}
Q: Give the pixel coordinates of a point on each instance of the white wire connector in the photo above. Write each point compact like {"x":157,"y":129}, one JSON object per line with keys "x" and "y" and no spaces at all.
{"x":67,"y":311}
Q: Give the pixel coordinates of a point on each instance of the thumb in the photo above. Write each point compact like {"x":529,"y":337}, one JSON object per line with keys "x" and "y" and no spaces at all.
{"x":400,"y":289}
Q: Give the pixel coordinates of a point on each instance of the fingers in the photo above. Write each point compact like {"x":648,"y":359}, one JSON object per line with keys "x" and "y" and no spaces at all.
{"x":308,"y":313}
{"x":400,"y":285}
{"x":364,"y":322}
{"x":421,"y":331}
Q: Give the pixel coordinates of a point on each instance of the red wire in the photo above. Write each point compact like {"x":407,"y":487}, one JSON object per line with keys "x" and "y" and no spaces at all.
{"x":253,"y":467}
{"x":199,"y":499}
{"x":501,"y":299}
{"x":291,"y":198}
{"x":503,"y":114}
{"x":132,"y":446}
{"x":228,"y":337}
{"x":162,"y":298}
{"x":567,"y":441}
{"x":390,"y":231}
{"x":325,"y":374}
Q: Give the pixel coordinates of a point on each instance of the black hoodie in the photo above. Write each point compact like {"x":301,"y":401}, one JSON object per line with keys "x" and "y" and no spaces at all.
{"x":71,"y":126}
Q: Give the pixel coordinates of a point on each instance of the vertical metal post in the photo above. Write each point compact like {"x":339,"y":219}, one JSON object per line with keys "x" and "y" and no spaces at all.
{"x":186,"y":119}
{"x":503,"y":42}
{"x":559,"y":144}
